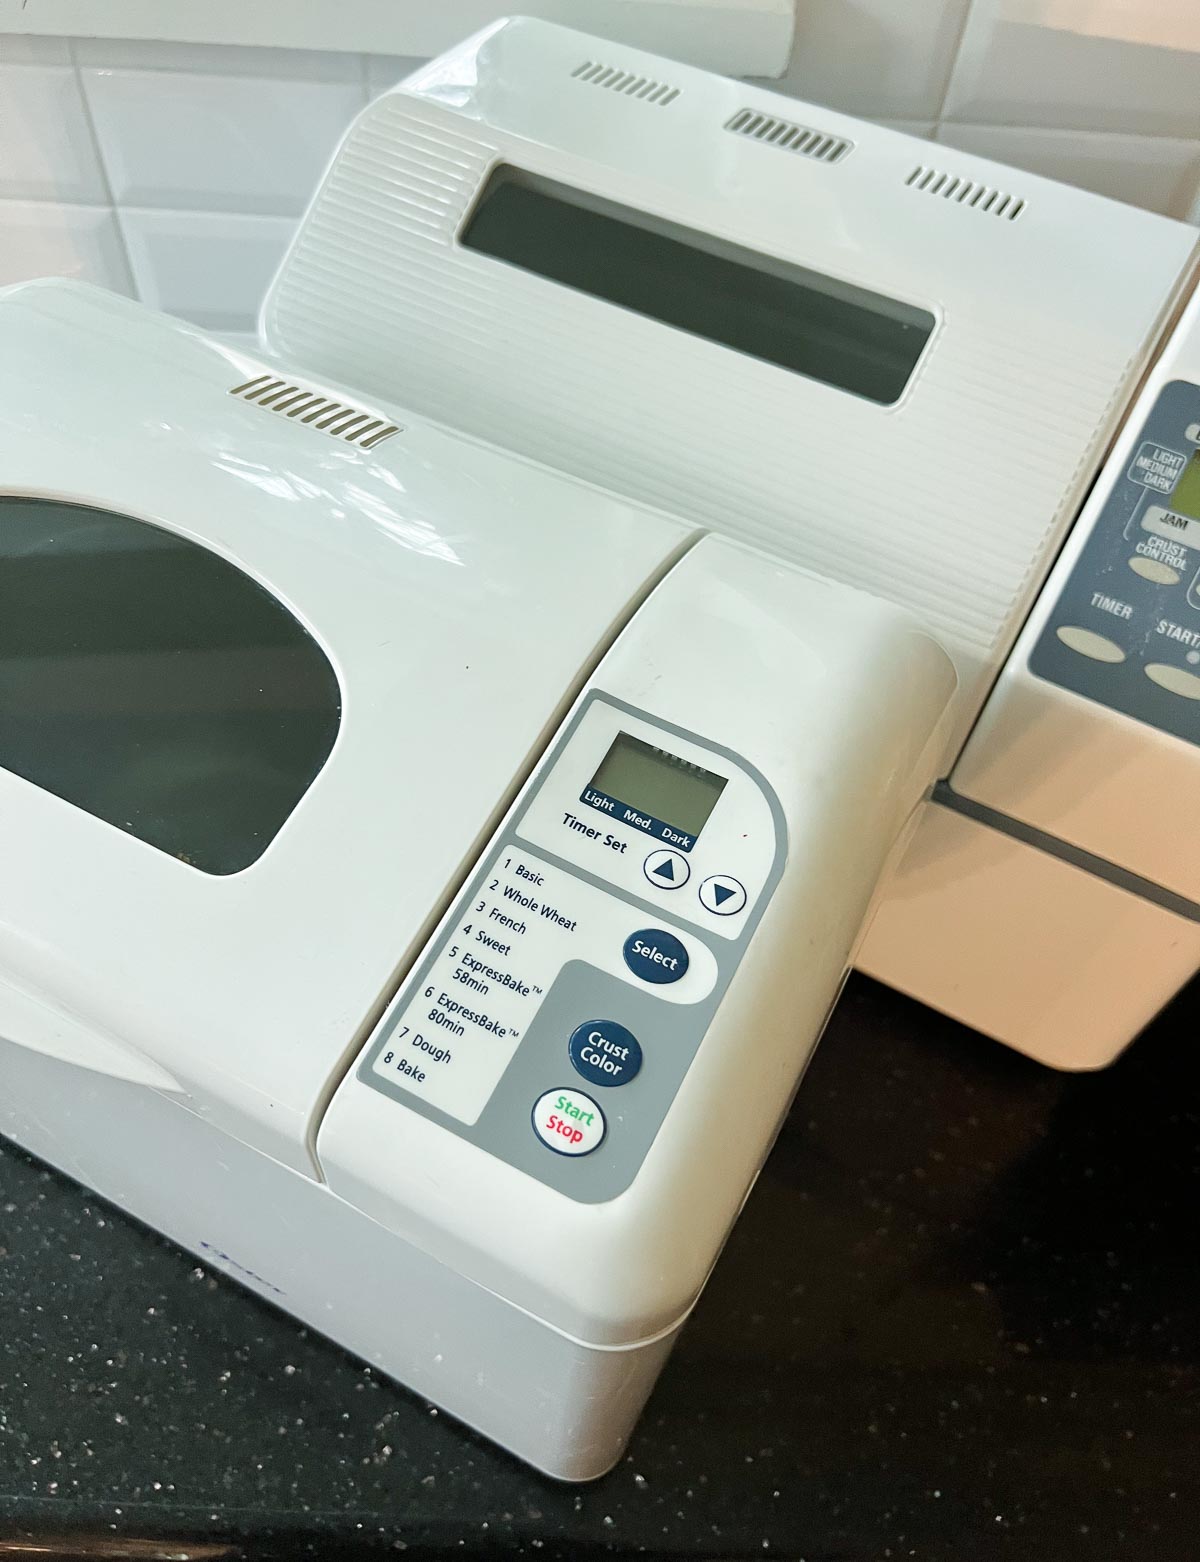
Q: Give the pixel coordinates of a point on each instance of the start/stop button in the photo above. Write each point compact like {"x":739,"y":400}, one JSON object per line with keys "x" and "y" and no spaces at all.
{"x":568,"y":1122}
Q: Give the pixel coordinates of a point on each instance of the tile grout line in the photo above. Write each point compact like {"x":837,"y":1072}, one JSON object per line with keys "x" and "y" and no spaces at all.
{"x":102,"y":162}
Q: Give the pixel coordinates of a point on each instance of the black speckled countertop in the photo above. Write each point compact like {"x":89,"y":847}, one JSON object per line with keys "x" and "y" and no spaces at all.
{"x":959,"y":1318}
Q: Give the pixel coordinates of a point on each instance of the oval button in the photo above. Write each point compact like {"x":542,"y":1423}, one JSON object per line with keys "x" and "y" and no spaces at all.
{"x":605,"y":1053}
{"x":568,"y":1122}
{"x":1154,"y":569}
{"x":1174,"y":679}
{"x":1088,"y":643}
{"x":655,"y":956}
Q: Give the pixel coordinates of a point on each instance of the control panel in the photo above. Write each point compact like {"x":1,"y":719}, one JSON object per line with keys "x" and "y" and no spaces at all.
{"x":1126,"y":629}
{"x":554,"y":1014}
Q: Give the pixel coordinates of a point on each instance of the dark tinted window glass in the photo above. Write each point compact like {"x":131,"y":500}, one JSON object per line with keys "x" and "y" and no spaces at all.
{"x":812,"y":324}
{"x":149,"y":681}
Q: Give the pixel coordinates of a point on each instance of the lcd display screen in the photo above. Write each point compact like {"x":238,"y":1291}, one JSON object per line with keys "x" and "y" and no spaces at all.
{"x":801,"y":320}
{"x":1185,"y":500}
{"x":654,"y":791}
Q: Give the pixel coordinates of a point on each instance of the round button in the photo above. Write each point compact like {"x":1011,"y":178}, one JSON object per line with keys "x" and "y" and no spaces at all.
{"x":568,"y":1122}
{"x":667,"y":869}
{"x":655,"y":956}
{"x":722,"y":895}
{"x":605,"y":1053}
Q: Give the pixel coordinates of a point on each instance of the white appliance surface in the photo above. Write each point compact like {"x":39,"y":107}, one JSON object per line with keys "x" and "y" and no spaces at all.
{"x":1091,"y":733}
{"x":831,"y":709}
{"x":1025,"y":945}
{"x":459,"y":595}
{"x":1045,"y":304}
{"x":514,"y":975}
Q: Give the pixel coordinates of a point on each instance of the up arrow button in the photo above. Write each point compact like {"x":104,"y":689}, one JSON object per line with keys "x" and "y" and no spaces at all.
{"x":667,"y":869}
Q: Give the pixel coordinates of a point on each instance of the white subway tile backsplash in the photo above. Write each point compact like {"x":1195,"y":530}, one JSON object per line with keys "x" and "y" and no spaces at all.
{"x":221,"y":59}
{"x":210,"y":142}
{"x":1151,"y":171}
{"x":885,"y":59}
{"x":46,"y":148}
{"x":45,"y":239}
{"x":210,"y":267}
{"x":1114,"y":65}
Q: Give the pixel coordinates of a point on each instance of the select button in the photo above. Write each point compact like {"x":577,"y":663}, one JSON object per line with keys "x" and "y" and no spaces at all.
{"x":655,"y":956}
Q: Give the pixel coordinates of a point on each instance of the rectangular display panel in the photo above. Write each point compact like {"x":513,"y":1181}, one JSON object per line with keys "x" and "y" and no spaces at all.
{"x":1185,"y":498}
{"x":800,"y":320}
{"x":654,"y":791}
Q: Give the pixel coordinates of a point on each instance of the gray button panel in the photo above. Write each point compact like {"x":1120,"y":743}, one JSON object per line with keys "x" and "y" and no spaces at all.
{"x":1125,"y":630}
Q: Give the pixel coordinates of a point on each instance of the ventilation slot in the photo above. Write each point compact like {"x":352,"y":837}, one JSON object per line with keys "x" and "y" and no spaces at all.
{"x":660,"y":93}
{"x":965,"y":192}
{"x":789,"y":137}
{"x":352,"y":424}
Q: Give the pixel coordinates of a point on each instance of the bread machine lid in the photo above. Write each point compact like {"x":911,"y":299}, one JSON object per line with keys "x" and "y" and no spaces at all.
{"x":263,"y":687}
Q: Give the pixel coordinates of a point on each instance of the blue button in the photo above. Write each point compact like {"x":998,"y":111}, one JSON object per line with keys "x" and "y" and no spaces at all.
{"x":655,"y":956}
{"x":605,"y":1053}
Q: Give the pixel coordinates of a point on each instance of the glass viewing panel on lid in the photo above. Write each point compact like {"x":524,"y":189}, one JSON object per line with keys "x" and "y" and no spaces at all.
{"x":153,"y":684}
{"x":800,"y":320}
{"x":654,"y":791}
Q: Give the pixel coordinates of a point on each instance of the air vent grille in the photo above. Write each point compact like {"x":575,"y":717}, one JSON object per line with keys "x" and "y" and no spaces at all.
{"x":788,"y":136}
{"x":646,"y":90}
{"x":338,"y":418}
{"x":966,"y":192}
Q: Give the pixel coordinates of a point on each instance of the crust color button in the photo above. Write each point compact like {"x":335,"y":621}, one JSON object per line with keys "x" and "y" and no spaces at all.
{"x":1154,"y":569}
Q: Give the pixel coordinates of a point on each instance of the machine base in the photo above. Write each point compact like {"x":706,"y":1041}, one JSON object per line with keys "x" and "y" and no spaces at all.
{"x":1023,"y":946}
{"x":561,"y":1405}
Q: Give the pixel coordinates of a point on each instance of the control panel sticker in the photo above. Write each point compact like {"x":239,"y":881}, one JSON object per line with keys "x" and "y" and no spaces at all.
{"x":452,"y":1040}
{"x":1125,"y":630}
{"x":554,"y":1015}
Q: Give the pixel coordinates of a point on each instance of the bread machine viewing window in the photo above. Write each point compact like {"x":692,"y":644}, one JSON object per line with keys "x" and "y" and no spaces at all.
{"x":147,"y":680}
{"x":801,"y":320}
